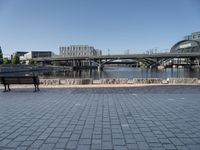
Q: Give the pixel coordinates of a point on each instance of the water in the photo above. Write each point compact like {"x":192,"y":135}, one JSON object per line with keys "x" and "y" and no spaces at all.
{"x":128,"y":72}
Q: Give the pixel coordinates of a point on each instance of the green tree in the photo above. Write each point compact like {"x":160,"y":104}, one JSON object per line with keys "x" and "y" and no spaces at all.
{"x":15,"y":59}
{"x":31,"y":62}
{"x":1,"y":56}
{"x":6,"y":61}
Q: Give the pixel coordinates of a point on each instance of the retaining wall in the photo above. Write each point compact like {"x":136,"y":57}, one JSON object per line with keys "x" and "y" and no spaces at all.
{"x":119,"y":81}
{"x":183,"y":80}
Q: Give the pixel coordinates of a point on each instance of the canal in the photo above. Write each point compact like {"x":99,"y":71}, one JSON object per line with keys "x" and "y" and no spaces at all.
{"x":127,"y":72}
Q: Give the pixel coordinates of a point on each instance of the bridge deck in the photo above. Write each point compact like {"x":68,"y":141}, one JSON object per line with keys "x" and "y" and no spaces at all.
{"x":131,"y":56}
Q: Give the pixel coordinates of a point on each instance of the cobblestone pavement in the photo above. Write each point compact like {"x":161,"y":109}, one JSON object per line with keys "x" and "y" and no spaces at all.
{"x":160,"y":117}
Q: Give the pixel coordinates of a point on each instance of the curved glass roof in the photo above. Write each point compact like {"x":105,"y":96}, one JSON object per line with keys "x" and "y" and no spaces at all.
{"x":186,"y":46}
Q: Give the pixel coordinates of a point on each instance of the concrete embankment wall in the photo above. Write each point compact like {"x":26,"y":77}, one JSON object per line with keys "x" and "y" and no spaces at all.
{"x":120,"y":81}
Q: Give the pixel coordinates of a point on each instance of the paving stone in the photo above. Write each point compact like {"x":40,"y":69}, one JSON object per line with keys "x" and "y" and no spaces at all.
{"x":83,"y":147}
{"x":13,"y":144}
{"x":37,"y":143}
{"x":96,"y":141}
{"x":165,"y":141}
{"x":51,"y":140}
{"x":85,"y":141}
{"x":158,"y":148}
{"x":96,"y":147}
{"x":63,"y":140}
{"x":60,"y":145}
{"x":155,"y":145}
{"x":132,"y":146}
{"x":120,"y":148}
{"x":72,"y":145}
{"x":26,"y":143}
{"x":47,"y":146}
{"x":4,"y":142}
{"x":20,"y":138}
{"x":151,"y":139}
{"x":107,"y":145}
{"x":107,"y":137}
{"x":182,"y":148}
{"x":117,"y":136}
{"x":169,"y":146}
{"x":143,"y":145}
{"x":187,"y":141}
{"x":139,"y":137}
{"x":56,"y":134}
{"x":74,"y":137}
{"x":96,"y":136}
{"x":176,"y":141}
{"x":130,"y":141}
{"x":118,"y":142}
{"x":194,"y":147}
{"x":66,"y":134}
{"x":21,"y":148}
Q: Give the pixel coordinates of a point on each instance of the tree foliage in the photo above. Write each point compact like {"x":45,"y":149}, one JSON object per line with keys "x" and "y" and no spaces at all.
{"x":1,"y":56}
{"x":31,"y":62}
{"x":15,"y":59}
{"x":6,"y":61}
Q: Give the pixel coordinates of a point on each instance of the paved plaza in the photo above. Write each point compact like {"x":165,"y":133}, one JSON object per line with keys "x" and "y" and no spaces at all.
{"x":153,"y":117}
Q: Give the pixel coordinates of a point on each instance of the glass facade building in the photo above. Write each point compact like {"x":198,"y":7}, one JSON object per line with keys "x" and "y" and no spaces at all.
{"x":79,"y":51}
{"x":190,"y":44}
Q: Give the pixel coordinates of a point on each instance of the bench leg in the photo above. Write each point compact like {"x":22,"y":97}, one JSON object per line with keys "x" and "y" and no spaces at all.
{"x":9,"y":87}
{"x":38,"y":89}
{"x":35,"y":88}
{"x":5,"y":88}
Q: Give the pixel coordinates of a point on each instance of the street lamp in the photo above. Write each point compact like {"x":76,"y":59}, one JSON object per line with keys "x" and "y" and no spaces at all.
{"x":108,"y":51}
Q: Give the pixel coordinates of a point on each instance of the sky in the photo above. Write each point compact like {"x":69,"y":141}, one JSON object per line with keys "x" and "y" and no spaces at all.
{"x":110,"y":25}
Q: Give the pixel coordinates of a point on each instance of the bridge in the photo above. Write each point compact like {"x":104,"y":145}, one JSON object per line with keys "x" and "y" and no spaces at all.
{"x":150,"y":60}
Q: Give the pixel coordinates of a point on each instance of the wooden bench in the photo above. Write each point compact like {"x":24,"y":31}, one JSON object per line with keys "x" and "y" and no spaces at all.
{"x":7,"y":80}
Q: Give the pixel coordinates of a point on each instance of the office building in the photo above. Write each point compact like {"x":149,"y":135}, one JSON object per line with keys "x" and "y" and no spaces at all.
{"x":79,"y":51}
{"x":19,"y":54}
{"x":37,"y":54}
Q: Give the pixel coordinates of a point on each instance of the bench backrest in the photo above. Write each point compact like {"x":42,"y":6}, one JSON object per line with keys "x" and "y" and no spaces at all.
{"x":20,"y":80}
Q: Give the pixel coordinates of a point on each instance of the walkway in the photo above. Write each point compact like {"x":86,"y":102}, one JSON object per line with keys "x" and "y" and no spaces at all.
{"x":161,"y":117}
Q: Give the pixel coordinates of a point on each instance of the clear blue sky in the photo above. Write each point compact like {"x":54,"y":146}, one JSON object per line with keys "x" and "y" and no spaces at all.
{"x":118,"y":25}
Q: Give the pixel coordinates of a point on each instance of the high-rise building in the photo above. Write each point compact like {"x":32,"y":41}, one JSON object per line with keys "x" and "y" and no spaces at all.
{"x":79,"y":51}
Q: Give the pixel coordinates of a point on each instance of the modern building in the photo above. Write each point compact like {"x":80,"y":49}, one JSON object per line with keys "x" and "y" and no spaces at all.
{"x":19,"y":54}
{"x":79,"y":51}
{"x":193,"y":36}
{"x":190,"y":44}
{"x":37,"y":54}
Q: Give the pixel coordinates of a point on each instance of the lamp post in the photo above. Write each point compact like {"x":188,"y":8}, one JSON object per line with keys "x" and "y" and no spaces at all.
{"x":108,"y":52}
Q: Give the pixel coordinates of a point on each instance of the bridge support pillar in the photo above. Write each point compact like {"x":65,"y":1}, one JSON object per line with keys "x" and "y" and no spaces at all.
{"x":160,"y":67}
{"x":100,"y":67}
